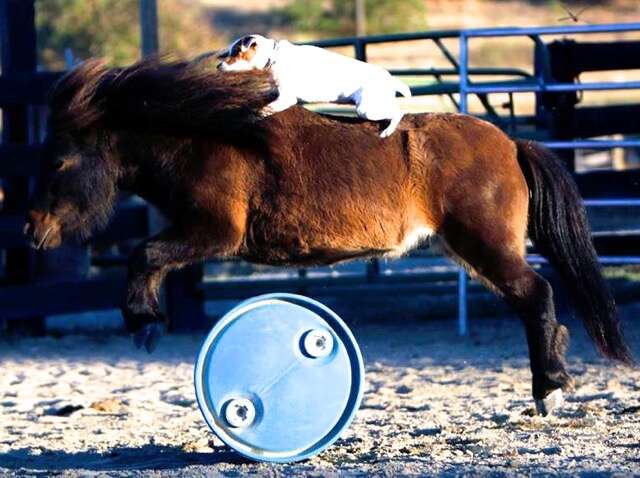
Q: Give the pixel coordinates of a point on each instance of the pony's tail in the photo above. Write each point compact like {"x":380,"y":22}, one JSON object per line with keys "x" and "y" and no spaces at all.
{"x":401,"y":87}
{"x":559,"y":229}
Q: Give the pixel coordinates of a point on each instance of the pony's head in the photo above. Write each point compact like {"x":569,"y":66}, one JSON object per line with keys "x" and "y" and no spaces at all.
{"x":91,"y":106}
{"x":76,"y":189}
{"x":75,"y":193}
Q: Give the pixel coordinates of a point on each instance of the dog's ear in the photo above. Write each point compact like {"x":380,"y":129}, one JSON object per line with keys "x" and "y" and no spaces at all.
{"x":223,"y":55}
{"x":248,"y":43}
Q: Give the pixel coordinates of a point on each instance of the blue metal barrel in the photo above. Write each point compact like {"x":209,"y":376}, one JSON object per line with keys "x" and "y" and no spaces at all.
{"x":279,"y":378}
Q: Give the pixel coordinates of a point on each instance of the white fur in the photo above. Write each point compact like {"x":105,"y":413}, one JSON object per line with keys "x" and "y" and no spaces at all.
{"x":314,"y":75}
{"x":411,"y":239}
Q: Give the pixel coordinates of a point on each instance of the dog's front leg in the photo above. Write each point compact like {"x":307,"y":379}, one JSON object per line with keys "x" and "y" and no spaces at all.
{"x":283,"y":102}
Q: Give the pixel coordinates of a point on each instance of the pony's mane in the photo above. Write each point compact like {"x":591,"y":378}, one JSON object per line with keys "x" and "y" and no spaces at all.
{"x":160,"y":96}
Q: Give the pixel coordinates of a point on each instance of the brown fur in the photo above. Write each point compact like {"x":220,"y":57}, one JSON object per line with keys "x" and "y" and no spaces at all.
{"x":175,"y":96}
{"x":296,"y":188}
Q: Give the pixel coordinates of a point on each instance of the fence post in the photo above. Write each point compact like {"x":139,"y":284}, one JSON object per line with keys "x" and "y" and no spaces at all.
{"x":18,"y":56}
{"x":361,"y":18}
{"x":360,"y":49}
{"x":184,"y":301}
{"x":464,"y":108}
{"x":149,"y":27}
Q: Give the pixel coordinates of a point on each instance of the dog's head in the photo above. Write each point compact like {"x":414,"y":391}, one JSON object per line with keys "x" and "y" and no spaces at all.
{"x":247,"y":53}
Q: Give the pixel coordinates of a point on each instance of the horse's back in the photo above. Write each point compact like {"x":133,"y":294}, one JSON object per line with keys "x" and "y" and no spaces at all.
{"x":332,"y":187}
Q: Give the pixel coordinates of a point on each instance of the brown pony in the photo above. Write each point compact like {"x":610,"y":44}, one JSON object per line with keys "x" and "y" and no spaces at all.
{"x":299,"y":188}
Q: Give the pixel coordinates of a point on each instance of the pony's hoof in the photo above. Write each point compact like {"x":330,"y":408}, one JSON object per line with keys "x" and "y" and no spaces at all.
{"x":149,"y":336}
{"x":552,"y":401}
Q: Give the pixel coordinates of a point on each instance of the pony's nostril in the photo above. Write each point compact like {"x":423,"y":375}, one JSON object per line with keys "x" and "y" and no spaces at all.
{"x":44,"y":229}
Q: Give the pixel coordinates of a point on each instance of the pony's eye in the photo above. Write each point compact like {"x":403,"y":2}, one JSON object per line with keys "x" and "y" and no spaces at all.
{"x":62,"y":164}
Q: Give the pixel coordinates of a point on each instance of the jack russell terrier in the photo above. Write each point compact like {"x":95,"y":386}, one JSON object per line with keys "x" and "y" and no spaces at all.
{"x":314,"y":75}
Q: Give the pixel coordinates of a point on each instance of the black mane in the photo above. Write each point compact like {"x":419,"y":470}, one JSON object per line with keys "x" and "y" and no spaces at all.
{"x":159,"y":96}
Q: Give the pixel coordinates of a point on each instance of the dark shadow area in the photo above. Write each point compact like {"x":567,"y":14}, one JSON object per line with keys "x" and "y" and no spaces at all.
{"x":147,"y":457}
{"x":385,"y":329}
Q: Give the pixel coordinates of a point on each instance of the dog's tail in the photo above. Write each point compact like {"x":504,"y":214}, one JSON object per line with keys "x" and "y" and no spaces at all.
{"x":401,"y":87}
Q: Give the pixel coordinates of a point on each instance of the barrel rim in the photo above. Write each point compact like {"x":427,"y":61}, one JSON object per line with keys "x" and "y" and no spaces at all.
{"x":338,"y":327}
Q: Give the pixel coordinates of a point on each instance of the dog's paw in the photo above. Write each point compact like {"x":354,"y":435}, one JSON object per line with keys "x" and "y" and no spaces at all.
{"x":266,"y":112}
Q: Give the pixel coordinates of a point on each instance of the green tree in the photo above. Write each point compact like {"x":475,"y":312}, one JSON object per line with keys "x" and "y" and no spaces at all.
{"x":111,"y":29}
{"x":338,"y":16}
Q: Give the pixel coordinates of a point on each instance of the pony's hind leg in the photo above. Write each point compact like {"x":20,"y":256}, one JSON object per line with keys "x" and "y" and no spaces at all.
{"x":531,"y":296}
{"x":506,"y":271}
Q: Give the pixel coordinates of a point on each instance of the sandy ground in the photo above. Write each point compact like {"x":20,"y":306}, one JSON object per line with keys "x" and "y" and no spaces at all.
{"x":434,"y":404}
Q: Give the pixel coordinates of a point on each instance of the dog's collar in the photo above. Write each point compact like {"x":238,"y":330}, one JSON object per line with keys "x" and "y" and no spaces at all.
{"x":272,"y":59}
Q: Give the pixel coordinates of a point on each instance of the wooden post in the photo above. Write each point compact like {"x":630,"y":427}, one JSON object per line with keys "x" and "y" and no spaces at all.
{"x":184,"y":301}
{"x":149,"y":27}
{"x":149,"y":44}
{"x":361,"y":18}
{"x":18,"y":56}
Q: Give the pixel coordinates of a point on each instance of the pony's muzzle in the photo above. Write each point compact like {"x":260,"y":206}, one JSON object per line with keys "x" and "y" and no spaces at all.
{"x":44,"y":230}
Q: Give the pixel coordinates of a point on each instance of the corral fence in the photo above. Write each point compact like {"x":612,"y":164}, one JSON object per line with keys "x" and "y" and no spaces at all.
{"x":84,"y":278}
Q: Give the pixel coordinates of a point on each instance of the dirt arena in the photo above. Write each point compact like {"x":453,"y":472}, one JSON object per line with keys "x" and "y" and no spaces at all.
{"x":435,"y":404}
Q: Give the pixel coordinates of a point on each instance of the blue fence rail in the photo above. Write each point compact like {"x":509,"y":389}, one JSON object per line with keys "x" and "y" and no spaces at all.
{"x":20,"y":159}
{"x":525,"y":83}
{"x":539,"y":85}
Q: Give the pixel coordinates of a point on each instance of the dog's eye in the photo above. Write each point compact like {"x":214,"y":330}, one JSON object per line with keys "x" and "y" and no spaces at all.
{"x":253,"y":45}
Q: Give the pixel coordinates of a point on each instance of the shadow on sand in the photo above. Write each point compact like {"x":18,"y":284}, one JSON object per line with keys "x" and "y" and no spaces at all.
{"x":146,"y":457}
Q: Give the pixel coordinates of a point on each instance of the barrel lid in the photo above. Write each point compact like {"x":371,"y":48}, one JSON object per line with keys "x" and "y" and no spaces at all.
{"x":279,"y":378}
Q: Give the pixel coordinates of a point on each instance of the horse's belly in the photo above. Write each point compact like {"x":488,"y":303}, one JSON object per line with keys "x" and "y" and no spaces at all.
{"x":411,"y":239}
{"x":331,"y":242}
{"x":292,"y":245}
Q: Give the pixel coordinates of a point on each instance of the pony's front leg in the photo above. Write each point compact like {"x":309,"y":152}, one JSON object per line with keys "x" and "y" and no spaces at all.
{"x":150,"y":263}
